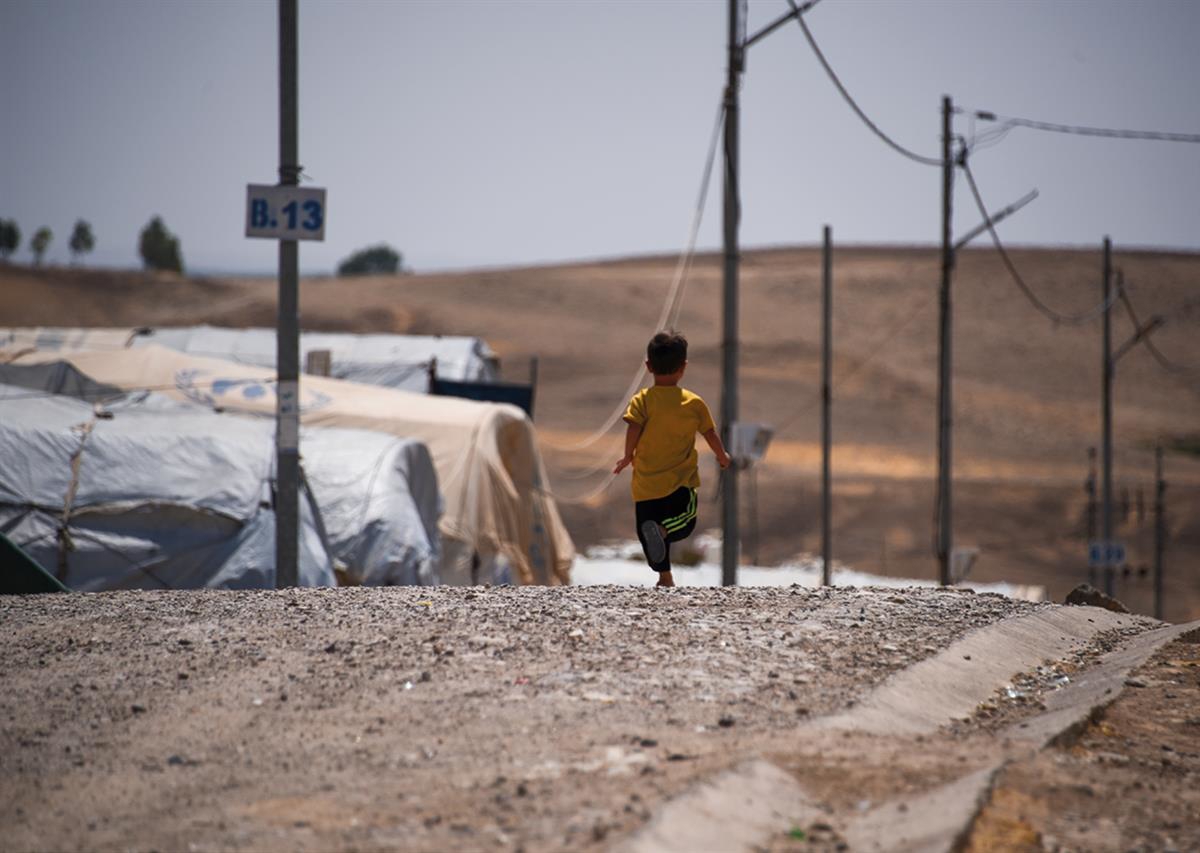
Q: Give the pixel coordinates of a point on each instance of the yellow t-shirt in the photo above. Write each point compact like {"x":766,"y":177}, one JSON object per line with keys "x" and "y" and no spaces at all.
{"x":665,"y":457}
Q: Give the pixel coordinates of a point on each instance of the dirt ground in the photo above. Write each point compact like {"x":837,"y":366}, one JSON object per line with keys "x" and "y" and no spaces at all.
{"x":1026,"y":391}
{"x":529,"y":719}
{"x":439,"y":719}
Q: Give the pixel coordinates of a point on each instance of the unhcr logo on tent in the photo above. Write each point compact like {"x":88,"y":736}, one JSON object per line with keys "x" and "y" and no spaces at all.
{"x":221,"y":393}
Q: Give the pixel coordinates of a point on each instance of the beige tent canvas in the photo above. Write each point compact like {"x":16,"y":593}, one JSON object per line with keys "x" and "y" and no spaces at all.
{"x":498,"y":512}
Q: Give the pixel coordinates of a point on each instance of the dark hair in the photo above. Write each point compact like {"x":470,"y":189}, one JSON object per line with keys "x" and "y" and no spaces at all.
{"x":666,"y":352}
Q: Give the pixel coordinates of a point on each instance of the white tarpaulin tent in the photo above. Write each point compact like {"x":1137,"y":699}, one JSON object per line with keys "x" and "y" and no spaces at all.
{"x":137,"y":496}
{"x":376,"y":495}
{"x":497,"y":510}
{"x":393,"y":361}
{"x":379,"y":501}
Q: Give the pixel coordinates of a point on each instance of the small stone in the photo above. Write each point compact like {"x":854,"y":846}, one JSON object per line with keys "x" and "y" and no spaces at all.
{"x":1134,"y":682}
{"x":726,"y":722}
{"x":138,"y":709}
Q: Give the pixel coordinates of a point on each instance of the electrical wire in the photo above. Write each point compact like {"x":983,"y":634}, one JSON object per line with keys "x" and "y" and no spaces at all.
{"x":862,"y":363}
{"x":1007,"y":123}
{"x":911,"y":155}
{"x":1055,"y":316}
{"x":674,"y":301}
{"x":1165,"y":363}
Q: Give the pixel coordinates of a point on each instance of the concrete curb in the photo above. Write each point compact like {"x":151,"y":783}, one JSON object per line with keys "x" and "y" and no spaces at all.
{"x":733,"y":811}
{"x":1070,"y":709}
{"x":949,"y":685}
{"x":742,"y":808}
{"x":942,"y":819}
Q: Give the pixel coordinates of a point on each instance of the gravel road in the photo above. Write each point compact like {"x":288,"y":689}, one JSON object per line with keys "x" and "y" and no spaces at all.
{"x":422,"y":719}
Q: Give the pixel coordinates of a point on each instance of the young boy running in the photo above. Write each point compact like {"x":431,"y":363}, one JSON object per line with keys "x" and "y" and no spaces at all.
{"x":660,"y":442}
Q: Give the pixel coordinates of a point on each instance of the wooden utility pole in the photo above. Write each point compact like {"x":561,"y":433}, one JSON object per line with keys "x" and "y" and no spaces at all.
{"x":1106,"y":371}
{"x":729,"y":339}
{"x":287,"y":333}
{"x":1160,"y":530}
{"x":1090,"y":487}
{"x":944,"y":539}
{"x":826,"y":404}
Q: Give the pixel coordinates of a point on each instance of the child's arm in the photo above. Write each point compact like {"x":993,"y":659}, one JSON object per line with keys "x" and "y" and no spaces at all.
{"x":632,"y":433}
{"x":714,"y":441}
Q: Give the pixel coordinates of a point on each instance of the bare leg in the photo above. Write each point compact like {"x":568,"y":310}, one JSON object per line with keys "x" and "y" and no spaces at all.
{"x":665,"y":579}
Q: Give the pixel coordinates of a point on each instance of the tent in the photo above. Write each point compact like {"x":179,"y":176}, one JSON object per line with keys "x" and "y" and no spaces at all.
{"x":498,"y":520}
{"x":379,"y":502}
{"x":393,"y":361}
{"x":377,"y":495}
{"x":131,"y":495}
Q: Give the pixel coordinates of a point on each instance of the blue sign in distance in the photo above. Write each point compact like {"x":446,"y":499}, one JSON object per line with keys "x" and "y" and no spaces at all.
{"x":285,"y":212}
{"x":1102,"y":554}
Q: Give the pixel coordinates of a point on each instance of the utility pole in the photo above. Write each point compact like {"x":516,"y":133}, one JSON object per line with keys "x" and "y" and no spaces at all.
{"x":1089,"y":486}
{"x":1106,"y":370}
{"x":1160,"y":530}
{"x":944,"y":539}
{"x":287,"y":359}
{"x":826,"y":404}
{"x":729,"y":340}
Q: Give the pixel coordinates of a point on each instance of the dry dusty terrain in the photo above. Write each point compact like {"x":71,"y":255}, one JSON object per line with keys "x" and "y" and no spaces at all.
{"x":534,"y":719}
{"x":1026,"y":391}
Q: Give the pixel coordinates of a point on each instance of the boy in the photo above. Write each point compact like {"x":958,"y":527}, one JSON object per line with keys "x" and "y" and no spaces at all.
{"x":663,"y":421}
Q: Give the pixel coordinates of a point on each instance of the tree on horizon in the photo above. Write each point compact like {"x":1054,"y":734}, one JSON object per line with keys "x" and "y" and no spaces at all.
{"x":159,"y":248}
{"x":10,"y":238}
{"x":39,"y":243}
{"x":82,"y":240}
{"x":373,"y":260}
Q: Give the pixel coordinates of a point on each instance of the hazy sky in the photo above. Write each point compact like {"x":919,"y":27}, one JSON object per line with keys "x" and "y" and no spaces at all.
{"x":497,"y":133}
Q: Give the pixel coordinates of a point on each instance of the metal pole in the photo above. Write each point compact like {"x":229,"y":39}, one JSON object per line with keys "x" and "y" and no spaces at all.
{"x":826,"y":404}
{"x":1106,"y":370}
{"x":287,"y":358}
{"x":944,"y":541}
{"x":1160,"y":531}
{"x":1090,"y":488}
{"x":729,"y":341}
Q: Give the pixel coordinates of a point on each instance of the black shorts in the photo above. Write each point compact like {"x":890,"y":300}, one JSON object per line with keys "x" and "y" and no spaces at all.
{"x":676,"y":512}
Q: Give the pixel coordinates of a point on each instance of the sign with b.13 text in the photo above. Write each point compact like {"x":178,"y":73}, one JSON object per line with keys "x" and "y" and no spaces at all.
{"x":285,"y":212}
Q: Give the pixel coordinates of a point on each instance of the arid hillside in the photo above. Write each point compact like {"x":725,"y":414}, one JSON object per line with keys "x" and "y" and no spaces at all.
{"x":1026,"y":391}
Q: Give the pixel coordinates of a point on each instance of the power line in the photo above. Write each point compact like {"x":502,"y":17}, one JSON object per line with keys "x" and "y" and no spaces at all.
{"x":1055,"y":316}
{"x":1163,"y":362}
{"x":1007,"y":123}
{"x":674,"y":300}
{"x":928,"y":161}
{"x":845,"y":377}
